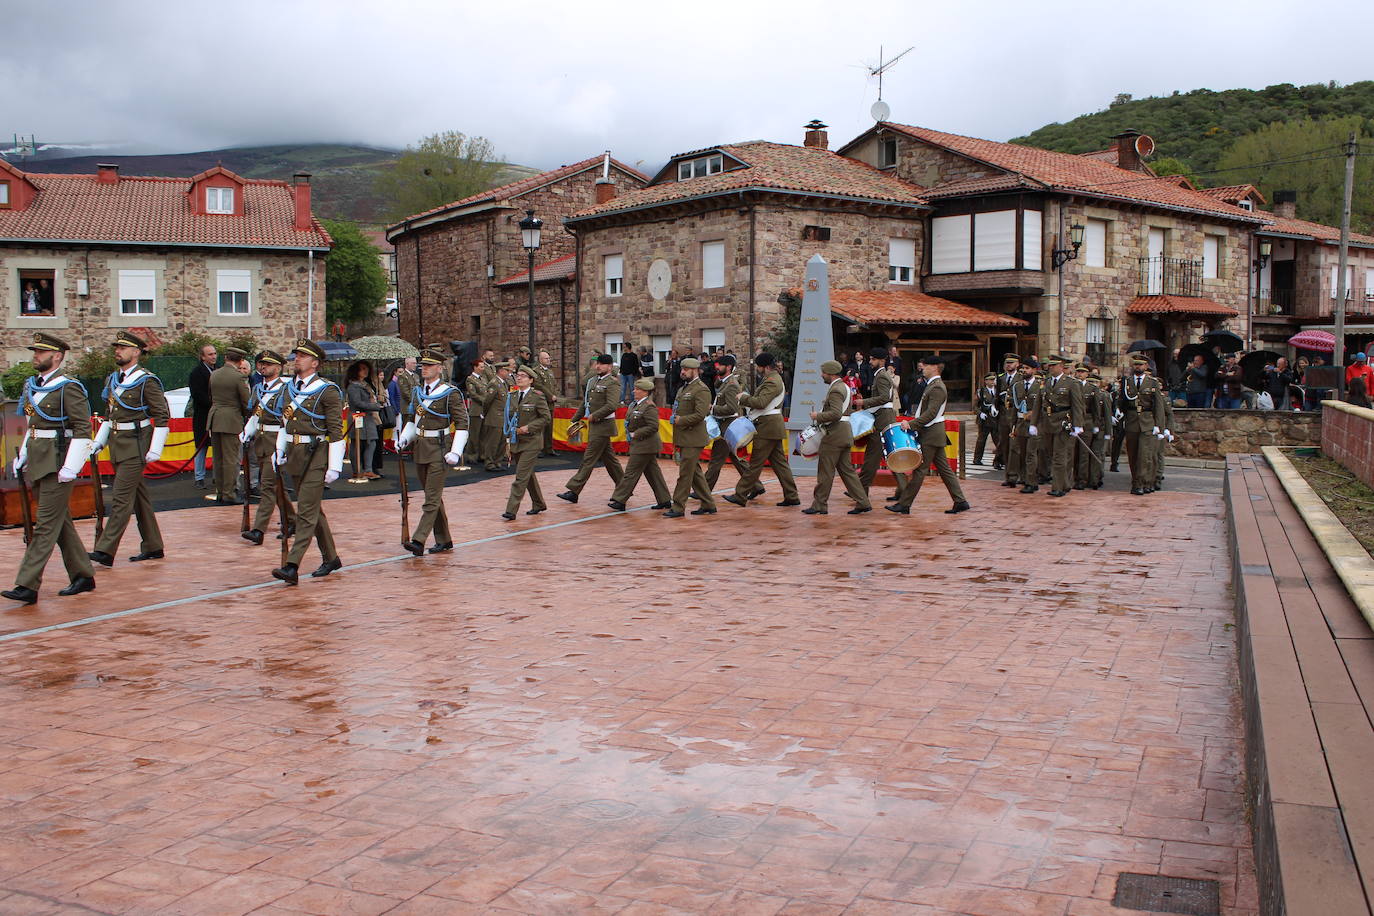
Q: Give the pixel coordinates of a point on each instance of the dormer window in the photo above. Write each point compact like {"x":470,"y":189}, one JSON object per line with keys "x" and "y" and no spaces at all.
{"x":1246,"y":204}
{"x":700,"y":167}
{"x":4,"y":193}
{"x":219,"y":200}
{"x":887,"y":152}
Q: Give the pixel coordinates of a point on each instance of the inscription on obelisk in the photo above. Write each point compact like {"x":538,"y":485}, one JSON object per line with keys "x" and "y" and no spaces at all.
{"x":815,"y":345}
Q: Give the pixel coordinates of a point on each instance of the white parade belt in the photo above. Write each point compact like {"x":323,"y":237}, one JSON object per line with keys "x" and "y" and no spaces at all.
{"x":46,"y":433}
{"x":270,"y":429}
{"x":302,"y":440}
{"x":137,"y":424}
{"x":432,"y":433}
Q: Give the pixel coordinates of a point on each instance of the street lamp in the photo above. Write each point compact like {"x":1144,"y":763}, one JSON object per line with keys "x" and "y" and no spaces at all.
{"x":1266,"y":248}
{"x":1060,"y":255}
{"x":529,"y":237}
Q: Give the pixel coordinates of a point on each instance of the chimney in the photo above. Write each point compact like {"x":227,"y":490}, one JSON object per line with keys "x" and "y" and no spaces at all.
{"x":1286,"y":204}
{"x":605,"y":187}
{"x":301,"y":191}
{"x":106,"y":173}
{"x":816,"y":136}
{"x":1127,"y":157}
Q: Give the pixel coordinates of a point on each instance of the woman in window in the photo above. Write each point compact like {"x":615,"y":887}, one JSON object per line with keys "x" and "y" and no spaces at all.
{"x":362,"y":398}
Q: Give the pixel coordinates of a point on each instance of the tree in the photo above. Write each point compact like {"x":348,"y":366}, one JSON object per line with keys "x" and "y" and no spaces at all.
{"x":354,"y":281}
{"x":444,"y":167}
{"x":1170,"y":165}
{"x":782,"y":340}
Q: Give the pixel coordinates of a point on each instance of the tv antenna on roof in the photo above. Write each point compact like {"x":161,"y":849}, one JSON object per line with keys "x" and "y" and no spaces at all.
{"x":880,"y":109}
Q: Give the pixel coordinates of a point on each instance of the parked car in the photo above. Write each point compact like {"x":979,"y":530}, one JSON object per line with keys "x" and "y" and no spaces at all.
{"x":392,"y":309}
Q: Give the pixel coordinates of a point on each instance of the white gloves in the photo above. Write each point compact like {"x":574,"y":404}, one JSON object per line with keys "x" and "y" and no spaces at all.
{"x":1033,"y":431}
{"x":1118,"y":417}
{"x":408,"y":435}
{"x":1078,"y":430}
{"x":982,"y":416}
{"x":77,"y":453}
{"x":993,"y":408}
{"x":102,"y":436}
{"x":331,"y":475}
{"x":1155,"y":431}
{"x":250,"y":429}
{"x":23,"y":457}
{"x":158,"y":443}
{"x":65,"y":476}
{"x":279,"y":453}
{"x":1169,"y":435}
{"x":336,"y":458}
{"x":1096,"y":430}
{"x":460,"y":442}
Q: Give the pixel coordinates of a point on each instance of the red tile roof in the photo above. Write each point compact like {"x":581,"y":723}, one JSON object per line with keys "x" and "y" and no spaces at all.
{"x":156,"y":211}
{"x":1178,"y":305}
{"x":378,"y":238}
{"x":1234,"y":192}
{"x":1080,"y":174}
{"x":774,"y":166}
{"x":1315,"y":231}
{"x":564,"y":268}
{"x":907,"y":306}
{"x":523,"y":186}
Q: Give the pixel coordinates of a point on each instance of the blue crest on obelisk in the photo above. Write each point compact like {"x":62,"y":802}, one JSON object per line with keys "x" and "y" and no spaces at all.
{"x":815,"y":345}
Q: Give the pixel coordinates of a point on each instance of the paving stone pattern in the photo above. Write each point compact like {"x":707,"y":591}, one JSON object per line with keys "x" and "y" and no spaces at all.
{"x":754,"y":712}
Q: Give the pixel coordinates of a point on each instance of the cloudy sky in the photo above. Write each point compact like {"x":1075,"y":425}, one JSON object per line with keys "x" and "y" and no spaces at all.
{"x":553,"y":83}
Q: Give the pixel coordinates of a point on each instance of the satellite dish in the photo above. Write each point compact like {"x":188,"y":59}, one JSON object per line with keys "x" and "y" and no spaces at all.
{"x":880,"y":111}
{"x":1144,"y":146}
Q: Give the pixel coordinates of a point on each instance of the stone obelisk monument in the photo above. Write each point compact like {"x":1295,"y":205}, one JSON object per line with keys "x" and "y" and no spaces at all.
{"x":815,"y":345}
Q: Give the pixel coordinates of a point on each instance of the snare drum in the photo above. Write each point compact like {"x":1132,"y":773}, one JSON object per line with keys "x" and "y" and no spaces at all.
{"x":902,"y":451}
{"x":712,"y":427}
{"x":740,"y":433}
{"x":861,"y":422}
{"x":809,"y":441}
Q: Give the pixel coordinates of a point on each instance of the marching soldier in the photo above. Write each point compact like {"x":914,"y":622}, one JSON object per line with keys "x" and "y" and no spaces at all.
{"x":600,"y":399}
{"x":641,"y":429}
{"x":436,"y":407}
{"x":1141,"y":402}
{"x":725,"y":408}
{"x":228,"y":410}
{"x":689,"y":438}
{"x":1165,"y":436}
{"x":54,"y":450}
{"x":1006,"y":411}
{"x":546,"y":385}
{"x":477,"y":385}
{"x":988,"y":419}
{"x":311,"y":448}
{"x":136,"y":405}
{"x":765,"y":410}
{"x":1063,"y":400}
{"x":1100,"y":416}
{"x":494,"y":417}
{"x":882,"y":397}
{"x":526,"y":413}
{"x":1082,"y":448}
{"x":929,"y":424}
{"x":836,"y":444}
{"x":1023,"y":450}
{"x":405,"y":384}
{"x":265,"y":421}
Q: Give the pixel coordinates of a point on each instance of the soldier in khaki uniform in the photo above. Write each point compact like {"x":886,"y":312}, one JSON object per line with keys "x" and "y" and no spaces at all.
{"x":311,"y":447}
{"x":405,"y":384}
{"x":988,"y":417}
{"x":1063,"y":422}
{"x":836,"y":443}
{"x":1165,"y":436}
{"x":641,"y":429}
{"x":545,"y":384}
{"x":882,"y":393}
{"x":1024,"y":405}
{"x":477,"y":394}
{"x":600,"y":399}
{"x":929,"y":426}
{"x":689,"y":438}
{"x":1100,"y":420}
{"x":494,"y":417}
{"x":1141,"y":402}
{"x":765,"y":409}
{"x":265,"y":406}
{"x":228,"y":410}
{"x":1006,"y":413}
{"x":55,"y":449}
{"x":526,"y":413}
{"x":439,"y":431}
{"x":725,"y":408}
{"x":136,"y":431}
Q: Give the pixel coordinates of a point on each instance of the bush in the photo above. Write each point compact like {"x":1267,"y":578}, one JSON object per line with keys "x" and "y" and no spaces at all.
{"x":92,"y":364}
{"x":189,"y":344}
{"x":13,"y":379}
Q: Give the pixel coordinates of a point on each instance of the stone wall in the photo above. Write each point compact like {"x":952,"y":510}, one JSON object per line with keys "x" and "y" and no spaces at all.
{"x":555,"y":321}
{"x":1348,"y":437}
{"x":1214,"y":434}
{"x":185,"y":294}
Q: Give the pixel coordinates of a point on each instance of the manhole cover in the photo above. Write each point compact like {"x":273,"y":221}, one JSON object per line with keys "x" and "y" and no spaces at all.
{"x":724,"y":826}
{"x":1162,"y":894}
{"x":603,"y":809}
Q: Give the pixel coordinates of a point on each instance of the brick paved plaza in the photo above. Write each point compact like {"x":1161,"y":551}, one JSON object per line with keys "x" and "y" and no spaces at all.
{"x":756,"y":712}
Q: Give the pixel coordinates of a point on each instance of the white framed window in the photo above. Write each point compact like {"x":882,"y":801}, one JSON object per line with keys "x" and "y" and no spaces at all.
{"x":613,"y":269}
{"x":219,"y":200}
{"x":1031,"y":248}
{"x":901,"y":261}
{"x":233,"y":287}
{"x":994,"y":240}
{"x":699,"y":167}
{"x":137,"y":292}
{"x":1349,"y":279}
{"x":712,"y":264}
{"x":4,"y":193}
{"x":1096,"y":340}
{"x":887,"y":152}
{"x":1369,"y":283}
{"x":949,"y":244}
{"x":663,"y":353}
{"x":713,"y":340}
{"x":1094,"y":243}
{"x":1211,"y":257}
{"x":615,"y":346}
{"x":1245,"y":204}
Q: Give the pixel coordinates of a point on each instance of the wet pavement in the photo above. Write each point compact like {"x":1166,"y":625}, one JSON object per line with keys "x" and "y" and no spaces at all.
{"x":754,"y":712}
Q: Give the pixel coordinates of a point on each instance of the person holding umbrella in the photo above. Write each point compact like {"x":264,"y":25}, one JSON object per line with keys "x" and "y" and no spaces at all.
{"x":1231,"y":383}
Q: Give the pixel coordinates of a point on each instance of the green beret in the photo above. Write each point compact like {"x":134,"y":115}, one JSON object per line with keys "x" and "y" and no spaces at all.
{"x":644,"y":384}
{"x":831,"y":367}
{"x":690,"y":362}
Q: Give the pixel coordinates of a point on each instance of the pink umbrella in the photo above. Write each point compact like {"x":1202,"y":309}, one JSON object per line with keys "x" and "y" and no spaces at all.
{"x":1321,"y":341}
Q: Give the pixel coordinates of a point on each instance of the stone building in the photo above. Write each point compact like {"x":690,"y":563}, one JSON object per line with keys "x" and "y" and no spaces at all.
{"x":452,"y":260}
{"x":215,"y":253}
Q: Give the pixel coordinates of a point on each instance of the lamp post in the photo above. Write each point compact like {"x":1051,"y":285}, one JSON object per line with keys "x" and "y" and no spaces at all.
{"x":1060,"y":255}
{"x":529,"y":237}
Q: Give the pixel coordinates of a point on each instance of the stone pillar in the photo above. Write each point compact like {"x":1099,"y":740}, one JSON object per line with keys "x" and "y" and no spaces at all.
{"x":815,"y":345}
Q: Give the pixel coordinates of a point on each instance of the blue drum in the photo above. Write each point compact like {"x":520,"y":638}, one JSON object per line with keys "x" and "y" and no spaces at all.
{"x":712,"y":427}
{"x":901,"y":450}
{"x":740,"y":433}
{"x":861,"y":422}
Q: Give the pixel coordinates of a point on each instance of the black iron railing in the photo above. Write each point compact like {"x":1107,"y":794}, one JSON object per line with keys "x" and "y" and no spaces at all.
{"x":1169,"y":277}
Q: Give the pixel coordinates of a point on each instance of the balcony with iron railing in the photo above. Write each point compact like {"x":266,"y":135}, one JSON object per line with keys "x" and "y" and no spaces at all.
{"x":1169,"y":277}
{"x":1312,"y":303}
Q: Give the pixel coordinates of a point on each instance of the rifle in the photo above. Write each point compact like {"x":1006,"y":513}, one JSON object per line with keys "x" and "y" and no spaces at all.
{"x":25,"y":510}
{"x":284,"y":512}
{"x":405,"y":496}
{"x":98,"y":493}
{"x":247,"y":486}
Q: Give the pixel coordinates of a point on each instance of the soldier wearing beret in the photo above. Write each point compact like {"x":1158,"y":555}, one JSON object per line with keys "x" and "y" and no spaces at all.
{"x":989,"y":417}
{"x":547,"y":385}
{"x":439,"y":432}
{"x":1006,"y":412}
{"x":1024,"y":398}
{"x":494,"y":415}
{"x":689,"y":438}
{"x":725,"y":408}
{"x":1165,"y":436}
{"x":228,"y":410}
{"x":641,"y":429}
{"x":929,"y":426}
{"x":1063,"y":422}
{"x":311,"y":447}
{"x":477,"y":385}
{"x":55,"y":448}
{"x":764,"y":408}
{"x":837,"y":440}
{"x":526,"y":413}
{"x":882,"y":401}
{"x":266,"y":404}
{"x":1141,"y":402}
{"x":600,"y":400}
{"x":136,"y":430}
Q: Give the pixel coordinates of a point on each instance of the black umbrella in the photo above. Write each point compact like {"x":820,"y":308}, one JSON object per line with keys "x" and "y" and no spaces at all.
{"x":1140,"y":346}
{"x":1228,"y":341}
